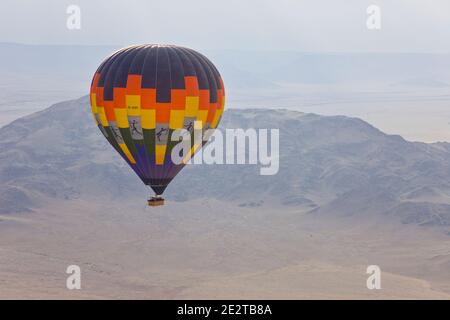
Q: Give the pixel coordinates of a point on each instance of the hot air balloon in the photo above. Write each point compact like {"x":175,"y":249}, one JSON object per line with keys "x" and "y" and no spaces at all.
{"x":141,"y":94}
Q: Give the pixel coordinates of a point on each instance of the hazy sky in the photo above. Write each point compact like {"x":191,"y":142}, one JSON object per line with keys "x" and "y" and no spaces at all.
{"x":314,"y":25}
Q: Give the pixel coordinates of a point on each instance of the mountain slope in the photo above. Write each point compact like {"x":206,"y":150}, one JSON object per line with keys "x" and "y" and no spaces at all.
{"x":328,"y":165}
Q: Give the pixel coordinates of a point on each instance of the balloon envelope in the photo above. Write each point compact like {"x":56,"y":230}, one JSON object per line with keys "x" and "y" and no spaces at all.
{"x":141,"y":94}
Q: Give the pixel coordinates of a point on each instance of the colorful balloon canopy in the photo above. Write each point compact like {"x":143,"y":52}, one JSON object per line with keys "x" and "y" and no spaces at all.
{"x":141,"y":94}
